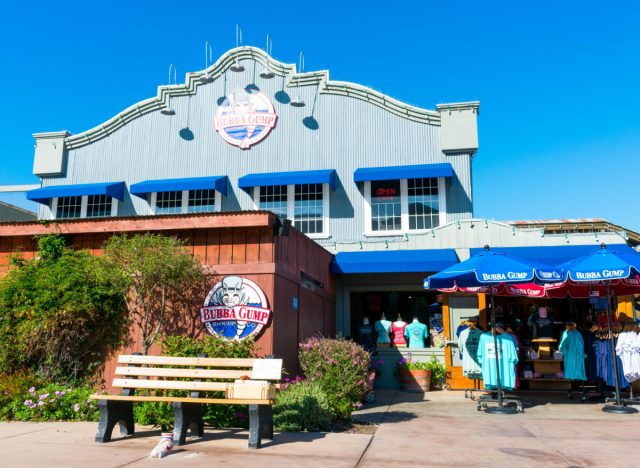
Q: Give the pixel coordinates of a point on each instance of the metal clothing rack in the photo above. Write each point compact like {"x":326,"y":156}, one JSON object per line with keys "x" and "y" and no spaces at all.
{"x":469,"y":392}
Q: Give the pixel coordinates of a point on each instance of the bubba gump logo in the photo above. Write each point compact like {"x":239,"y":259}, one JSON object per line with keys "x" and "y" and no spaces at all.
{"x":245,"y":117}
{"x":236,"y":309}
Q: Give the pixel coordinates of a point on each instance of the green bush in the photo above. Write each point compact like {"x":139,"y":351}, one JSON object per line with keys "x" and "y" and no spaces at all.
{"x":55,"y":402}
{"x":302,"y":406}
{"x":341,"y":367}
{"x":58,"y":316}
{"x":12,"y":387}
{"x":221,"y":416}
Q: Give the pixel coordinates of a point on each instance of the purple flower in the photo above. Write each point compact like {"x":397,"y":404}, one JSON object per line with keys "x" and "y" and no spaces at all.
{"x":28,"y":402}
{"x":6,"y":392}
{"x":76,"y":407}
{"x":41,"y":403}
{"x":59,"y":393}
{"x":32,"y":390}
{"x":33,"y":405}
{"x":43,"y":396}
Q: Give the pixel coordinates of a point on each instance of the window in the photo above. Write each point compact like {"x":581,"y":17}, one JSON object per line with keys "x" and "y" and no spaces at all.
{"x":385,"y":205}
{"x":68,"y":207}
{"x":398,"y":206}
{"x":423,"y":203}
{"x":202,"y":201}
{"x":274,"y":199}
{"x":98,"y":206}
{"x":86,"y":206}
{"x":185,"y":201}
{"x":169,"y":202}
{"x":308,"y":208}
{"x":307,"y":205}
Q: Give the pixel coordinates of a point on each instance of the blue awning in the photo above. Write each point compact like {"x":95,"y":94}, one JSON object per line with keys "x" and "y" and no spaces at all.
{"x":218,"y":183}
{"x":44,"y":194}
{"x":403,"y":172}
{"x":325,"y":176}
{"x":551,"y":255}
{"x":394,"y":261}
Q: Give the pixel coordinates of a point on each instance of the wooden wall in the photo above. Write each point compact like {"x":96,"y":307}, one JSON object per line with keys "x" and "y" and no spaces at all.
{"x":274,"y":262}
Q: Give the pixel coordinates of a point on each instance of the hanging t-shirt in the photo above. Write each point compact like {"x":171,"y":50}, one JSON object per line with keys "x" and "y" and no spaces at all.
{"x":365,"y":336}
{"x":397,"y":328}
{"x":416,"y":332}
{"x":627,"y":348}
{"x":458,"y":332}
{"x":541,"y":327}
{"x":468,"y":344}
{"x":507,"y":362}
{"x":572,"y":348}
{"x":590,"y":344}
{"x":383,"y":328}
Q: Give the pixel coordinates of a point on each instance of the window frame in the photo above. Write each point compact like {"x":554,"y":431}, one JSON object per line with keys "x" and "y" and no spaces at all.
{"x":404,"y":209}
{"x":184,"y":203}
{"x":83,"y":208}
{"x":291,"y":194}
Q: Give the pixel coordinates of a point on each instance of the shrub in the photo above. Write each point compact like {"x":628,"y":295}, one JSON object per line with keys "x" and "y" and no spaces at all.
{"x":55,"y":402}
{"x":341,"y":367}
{"x":58,"y":315}
{"x":13,"y":386}
{"x":222,"y":416}
{"x":303,"y":406}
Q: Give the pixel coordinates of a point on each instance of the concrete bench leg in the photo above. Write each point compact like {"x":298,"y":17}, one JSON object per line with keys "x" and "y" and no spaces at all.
{"x":260,"y":425}
{"x":186,"y":416}
{"x":111,"y":413}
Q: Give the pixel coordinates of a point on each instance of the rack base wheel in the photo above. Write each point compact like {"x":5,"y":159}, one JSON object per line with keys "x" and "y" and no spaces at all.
{"x":501,"y":410}
{"x":618,"y":409}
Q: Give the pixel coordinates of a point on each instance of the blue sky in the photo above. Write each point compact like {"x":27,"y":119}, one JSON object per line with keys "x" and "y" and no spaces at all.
{"x":558,"y":82}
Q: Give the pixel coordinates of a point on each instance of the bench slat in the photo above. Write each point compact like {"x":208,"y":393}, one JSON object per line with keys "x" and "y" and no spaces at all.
{"x":171,"y":385}
{"x":191,"y":373}
{"x":221,"y":401}
{"x":185,"y":361}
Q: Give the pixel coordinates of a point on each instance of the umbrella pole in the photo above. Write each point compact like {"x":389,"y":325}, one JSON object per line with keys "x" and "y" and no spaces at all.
{"x":500,"y":409}
{"x":619,"y":407}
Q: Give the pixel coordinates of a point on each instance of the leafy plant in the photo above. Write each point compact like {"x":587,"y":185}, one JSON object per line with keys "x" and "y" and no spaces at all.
{"x":13,"y":386}
{"x":303,"y":406}
{"x":438,"y":370}
{"x":159,"y":277}
{"x":341,"y":368}
{"x":58,"y":316}
{"x":55,"y":402}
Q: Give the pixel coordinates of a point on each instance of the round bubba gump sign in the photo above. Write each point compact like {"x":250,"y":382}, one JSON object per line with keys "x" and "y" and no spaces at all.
{"x":235,"y":309}
{"x":245,"y":117}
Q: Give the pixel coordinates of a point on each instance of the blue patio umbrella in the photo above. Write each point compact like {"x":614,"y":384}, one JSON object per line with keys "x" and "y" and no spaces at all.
{"x":604,"y":265}
{"x":490,"y":268}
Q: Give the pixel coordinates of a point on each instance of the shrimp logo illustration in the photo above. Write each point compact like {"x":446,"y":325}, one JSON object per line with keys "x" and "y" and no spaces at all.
{"x":235,"y":309}
{"x":245,"y":117}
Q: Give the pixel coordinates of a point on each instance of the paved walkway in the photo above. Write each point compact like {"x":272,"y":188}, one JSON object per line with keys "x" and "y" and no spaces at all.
{"x":443,"y":429}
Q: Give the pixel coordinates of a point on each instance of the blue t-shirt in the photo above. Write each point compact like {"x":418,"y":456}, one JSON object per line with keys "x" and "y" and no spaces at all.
{"x":507,"y":362}
{"x":416,"y":332}
{"x":383,"y":328}
{"x":572,"y":347}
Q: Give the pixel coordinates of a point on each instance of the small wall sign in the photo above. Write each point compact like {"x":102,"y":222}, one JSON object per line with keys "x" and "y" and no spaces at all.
{"x":245,"y":117}
{"x":236,"y":309}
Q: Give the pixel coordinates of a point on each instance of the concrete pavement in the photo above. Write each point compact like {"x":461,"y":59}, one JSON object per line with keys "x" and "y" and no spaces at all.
{"x":439,"y":429}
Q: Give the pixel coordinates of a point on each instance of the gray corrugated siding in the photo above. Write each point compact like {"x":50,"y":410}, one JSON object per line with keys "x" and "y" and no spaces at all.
{"x":351,"y":134}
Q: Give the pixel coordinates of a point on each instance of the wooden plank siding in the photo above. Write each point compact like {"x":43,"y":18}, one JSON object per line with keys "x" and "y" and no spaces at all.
{"x":273,"y":261}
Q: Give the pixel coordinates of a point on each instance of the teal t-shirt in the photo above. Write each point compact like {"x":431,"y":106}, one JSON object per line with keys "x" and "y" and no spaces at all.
{"x":416,"y":332}
{"x":572,"y":347}
{"x":507,"y":362}
{"x":383,"y":328}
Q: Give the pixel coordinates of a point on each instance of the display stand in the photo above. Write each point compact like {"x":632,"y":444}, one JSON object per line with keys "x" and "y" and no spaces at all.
{"x":546,"y":365}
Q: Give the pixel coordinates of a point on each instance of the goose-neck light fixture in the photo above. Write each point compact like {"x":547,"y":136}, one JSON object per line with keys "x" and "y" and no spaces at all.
{"x":268,"y":74}
{"x":298,"y":101}
{"x":167,"y":109}
{"x":208,"y":59}
{"x":237,"y":67}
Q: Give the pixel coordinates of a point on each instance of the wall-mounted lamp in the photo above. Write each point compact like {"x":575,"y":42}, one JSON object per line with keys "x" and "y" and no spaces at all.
{"x":167,"y":109}
{"x":268,"y":74}
{"x":298,"y":101}
{"x":237,"y":67}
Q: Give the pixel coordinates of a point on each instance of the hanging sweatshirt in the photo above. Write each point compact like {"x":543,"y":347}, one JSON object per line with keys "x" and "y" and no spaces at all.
{"x":507,"y":362}
{"x":572,"y":348}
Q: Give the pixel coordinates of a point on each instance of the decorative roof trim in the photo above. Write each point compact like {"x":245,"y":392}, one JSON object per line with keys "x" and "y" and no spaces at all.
{"x":292,"y":79}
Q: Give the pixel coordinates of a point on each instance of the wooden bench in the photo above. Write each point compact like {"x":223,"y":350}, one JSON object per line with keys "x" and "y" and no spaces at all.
{"x":190,"y":377}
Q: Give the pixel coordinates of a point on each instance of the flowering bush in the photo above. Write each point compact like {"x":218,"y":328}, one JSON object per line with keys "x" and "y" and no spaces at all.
{"x":341,"y":367}
{"x":302,"y":406}
{"x":55,"y":402}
